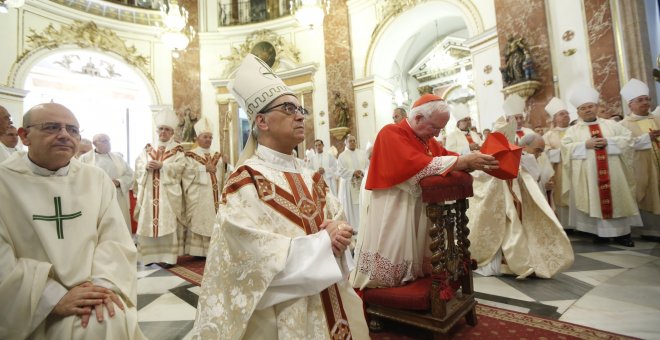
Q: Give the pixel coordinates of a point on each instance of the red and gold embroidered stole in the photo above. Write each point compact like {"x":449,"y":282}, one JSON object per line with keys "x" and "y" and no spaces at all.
{"x":305,"y":209}
{"x":209,"y":160}
{"x":603,"y":175}
{"x":161,"y":156}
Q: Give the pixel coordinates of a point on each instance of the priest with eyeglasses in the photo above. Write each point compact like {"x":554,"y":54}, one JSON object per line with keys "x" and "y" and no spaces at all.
{"x":67,"y":262}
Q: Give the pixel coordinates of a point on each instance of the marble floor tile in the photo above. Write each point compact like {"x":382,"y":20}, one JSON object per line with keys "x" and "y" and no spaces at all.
{"x":172,"y":330}
{"x":493,"y":285}
{"x":588,"y":246}
{"x":562,"y":305}
{"x":159,"y":285}
{"x":560,"y":287}
{"x":595,"y":277}
{"x":614,"y":316}
{"x":168,"y":307}
{"x":582,"y":263}
{"x":623,"y":258}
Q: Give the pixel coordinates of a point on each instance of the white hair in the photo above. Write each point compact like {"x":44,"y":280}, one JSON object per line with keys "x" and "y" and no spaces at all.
{"x":428,"y":108}
{"x":528,"y":139}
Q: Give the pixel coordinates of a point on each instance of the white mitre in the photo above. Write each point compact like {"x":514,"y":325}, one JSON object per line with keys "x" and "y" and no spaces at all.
{"x":203,"y":126}
{"x":555,"y":105}
{"x":166,"y":117}
{"x":460,"y":111}
{"x":583,"y":95}
{"x":514,"y":105}
{"x":254,"y":87}
{"x":634,"y":89}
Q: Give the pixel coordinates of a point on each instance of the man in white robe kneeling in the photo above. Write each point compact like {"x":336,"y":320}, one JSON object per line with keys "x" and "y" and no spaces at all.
{"x":67,"y":261}
{"x":278,"y":256}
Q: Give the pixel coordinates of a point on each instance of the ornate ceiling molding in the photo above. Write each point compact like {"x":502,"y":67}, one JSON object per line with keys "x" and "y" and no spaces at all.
{"x":84,"y":35}
{"x":106,"y":9}
{"x":284,"y":50}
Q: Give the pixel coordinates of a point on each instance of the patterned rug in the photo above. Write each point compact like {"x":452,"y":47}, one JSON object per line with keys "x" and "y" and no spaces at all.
{"x":493,"y":323}
{"x":189,"y":268}
{"x":497,"y":323}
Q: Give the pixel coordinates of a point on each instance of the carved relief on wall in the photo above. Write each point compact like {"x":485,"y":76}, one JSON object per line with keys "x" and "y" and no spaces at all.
{"x":263,"y":43}
{"x":85,"y":35}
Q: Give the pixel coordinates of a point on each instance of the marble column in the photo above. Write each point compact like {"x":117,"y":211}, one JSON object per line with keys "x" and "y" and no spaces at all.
{"x":339,"y":65}
{"x":603,"y":53}
{"x":527,"y":19}
{"x":185,"y":69}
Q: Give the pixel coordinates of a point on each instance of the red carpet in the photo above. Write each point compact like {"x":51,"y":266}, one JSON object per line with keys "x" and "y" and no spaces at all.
{"x":189,"y":268}
{"x":493,"y":323}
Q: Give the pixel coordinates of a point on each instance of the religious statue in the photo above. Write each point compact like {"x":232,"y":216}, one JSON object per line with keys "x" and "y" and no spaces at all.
{"x":341,"y":111}
{"x":187,"y":126}
{"x":518,"y":63}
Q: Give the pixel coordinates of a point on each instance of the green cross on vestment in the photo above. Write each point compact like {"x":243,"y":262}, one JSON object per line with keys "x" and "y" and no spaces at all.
{"x":58,"y":218}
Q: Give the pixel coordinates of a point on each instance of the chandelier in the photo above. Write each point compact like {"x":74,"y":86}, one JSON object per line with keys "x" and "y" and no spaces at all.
{"x":6,"y":4}
{"x":310,"y":13}
{"x":176,"y":33}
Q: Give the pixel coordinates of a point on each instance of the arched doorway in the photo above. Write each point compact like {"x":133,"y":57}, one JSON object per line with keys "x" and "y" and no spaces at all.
{"x":106,"y":95}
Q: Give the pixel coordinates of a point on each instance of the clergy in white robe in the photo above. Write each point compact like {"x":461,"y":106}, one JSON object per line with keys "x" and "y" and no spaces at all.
{"x":597,"y":173}
{"x":5,"y":123}
{"x":513,"y":229}
{"x":159,"y":206}
{"x":325,"y":164}
{"x":278,"y":257}
{"x":202,"y":180}
{"x":352,"y":163}
{"x":514,"y":109}
{"x":392,"y":248}
{"x":62,"y":235}
{"x":9,"y":140}
{"x":462,"y":140}
{"x":645,"y":129}
{"x":115,"y":166}
{"x":560,"y":120}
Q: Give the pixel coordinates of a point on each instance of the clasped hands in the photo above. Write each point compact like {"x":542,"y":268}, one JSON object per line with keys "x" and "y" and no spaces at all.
{"x":80,"y":300}
{"x":154,"y":165}
{"x":340,"y":235}
{"x":596,"y":143}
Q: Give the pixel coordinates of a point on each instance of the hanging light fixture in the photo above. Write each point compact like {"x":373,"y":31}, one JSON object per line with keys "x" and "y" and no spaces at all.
{"x":177,"y":34}
{"x":5,"y":5}
{"x":310,"y":13}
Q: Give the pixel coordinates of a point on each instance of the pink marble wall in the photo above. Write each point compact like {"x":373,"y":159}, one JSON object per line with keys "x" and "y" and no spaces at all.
{"x":603,"y":53}
{"x":527,"y":18}
{"x":338,"y":64}
{"x":185,"y":70}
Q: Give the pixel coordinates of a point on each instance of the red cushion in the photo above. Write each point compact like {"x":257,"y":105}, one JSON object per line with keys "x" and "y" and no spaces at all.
{"x":413,"y":296}
{"x":455,"y":185}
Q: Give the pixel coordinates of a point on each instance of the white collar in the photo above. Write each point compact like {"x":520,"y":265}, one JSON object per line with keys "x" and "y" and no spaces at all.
{"x":39,"y":171}
{"x":278,"y":160}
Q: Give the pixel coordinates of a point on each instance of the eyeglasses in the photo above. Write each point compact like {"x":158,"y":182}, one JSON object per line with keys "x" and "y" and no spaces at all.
{"x":288,"y":109}
{"x":53,"y":128}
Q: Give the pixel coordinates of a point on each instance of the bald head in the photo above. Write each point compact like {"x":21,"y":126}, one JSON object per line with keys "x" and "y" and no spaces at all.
{"x":51,"y":133}
{"x":533,"y":144}
{"x":5,"y":120}
{"x":101,"y":143}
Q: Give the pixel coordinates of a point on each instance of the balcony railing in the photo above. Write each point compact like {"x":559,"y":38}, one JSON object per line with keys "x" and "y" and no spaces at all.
{"x":232,"y":12}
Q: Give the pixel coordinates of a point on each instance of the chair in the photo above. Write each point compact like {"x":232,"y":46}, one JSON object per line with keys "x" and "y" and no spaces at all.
{"x":439,"y":301}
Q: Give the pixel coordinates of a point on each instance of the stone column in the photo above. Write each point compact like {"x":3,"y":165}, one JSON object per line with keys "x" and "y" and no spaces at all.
{"x":185,"y":69}
{"x":603,"y":53}
{"x":527,"y":19}
{"x":339,"y":65}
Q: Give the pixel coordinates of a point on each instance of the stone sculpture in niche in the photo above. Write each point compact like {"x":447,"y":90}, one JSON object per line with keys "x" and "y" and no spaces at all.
{"x":518,"y":63}
{"x":340,"y":111}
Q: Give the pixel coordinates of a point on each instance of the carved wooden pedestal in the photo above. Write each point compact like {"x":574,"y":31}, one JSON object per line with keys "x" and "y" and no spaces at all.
{"x":449,"y":289}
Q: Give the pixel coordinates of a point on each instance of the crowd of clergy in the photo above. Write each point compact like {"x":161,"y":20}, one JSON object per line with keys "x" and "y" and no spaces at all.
{"x":595,"y":175}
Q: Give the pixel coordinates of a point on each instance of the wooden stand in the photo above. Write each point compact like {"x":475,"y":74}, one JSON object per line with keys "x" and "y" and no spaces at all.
{"x":451,"y":288}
